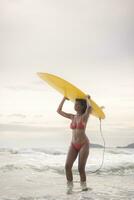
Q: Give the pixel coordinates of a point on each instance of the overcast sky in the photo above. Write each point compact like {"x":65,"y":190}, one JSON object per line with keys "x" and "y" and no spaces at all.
{"x":89,"y":43}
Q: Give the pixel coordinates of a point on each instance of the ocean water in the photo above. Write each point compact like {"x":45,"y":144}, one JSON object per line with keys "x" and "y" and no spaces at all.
{"x":38,"y":173}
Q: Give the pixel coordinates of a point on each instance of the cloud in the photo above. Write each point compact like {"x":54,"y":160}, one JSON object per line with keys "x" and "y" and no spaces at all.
{"x":38,"y":88}
{"x":22,"y":115}
{"x":17,"y":115}
{"x":38,"y":116}
{"x":26,"y":128}
{"x":74,"y":32}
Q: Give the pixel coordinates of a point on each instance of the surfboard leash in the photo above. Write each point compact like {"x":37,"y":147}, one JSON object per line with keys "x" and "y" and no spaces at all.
{"x":104,"y":147}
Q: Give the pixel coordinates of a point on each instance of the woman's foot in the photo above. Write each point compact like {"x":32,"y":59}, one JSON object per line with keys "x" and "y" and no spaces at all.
{"x":69,"y":187}
{"x":83,"y":186}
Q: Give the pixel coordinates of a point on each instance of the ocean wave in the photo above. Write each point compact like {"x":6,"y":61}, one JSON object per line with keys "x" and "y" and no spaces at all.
{"x":48,"y":151}
{"x":57,"y":151}
{"x":44,"y":197}
{"x":124,"y":169}
{"x":10,"y":167}
{"x":118,"y":170}
{"x":43,"y":159}
{"x":117,"y":151}
{"x":127,"y":169}
{"x":33,"y":151}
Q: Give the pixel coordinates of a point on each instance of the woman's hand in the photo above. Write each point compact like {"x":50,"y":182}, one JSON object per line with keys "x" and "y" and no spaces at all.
{"x":88,"y":96}
{"x":65,"y":98}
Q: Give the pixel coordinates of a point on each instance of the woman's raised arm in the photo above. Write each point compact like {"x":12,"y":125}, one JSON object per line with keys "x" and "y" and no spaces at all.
{"x":88,"y":109}
{"x":64,"y":114}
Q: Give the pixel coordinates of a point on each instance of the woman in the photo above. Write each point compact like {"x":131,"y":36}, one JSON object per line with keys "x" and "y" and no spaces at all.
{"x":80,"y":143}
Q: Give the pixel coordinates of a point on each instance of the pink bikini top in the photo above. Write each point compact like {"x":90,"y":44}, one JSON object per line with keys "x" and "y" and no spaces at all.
{"x":79,"y":125}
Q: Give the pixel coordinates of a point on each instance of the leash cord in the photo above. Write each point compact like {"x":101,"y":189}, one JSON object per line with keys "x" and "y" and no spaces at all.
{"x":104,"y":144}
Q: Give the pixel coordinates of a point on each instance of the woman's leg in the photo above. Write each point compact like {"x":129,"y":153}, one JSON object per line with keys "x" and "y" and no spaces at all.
{"x":71,"y":157}
{"x":83,"y":155}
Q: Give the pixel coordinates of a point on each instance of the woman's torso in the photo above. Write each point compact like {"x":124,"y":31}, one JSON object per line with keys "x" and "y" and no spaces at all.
{"x":78,"y":126}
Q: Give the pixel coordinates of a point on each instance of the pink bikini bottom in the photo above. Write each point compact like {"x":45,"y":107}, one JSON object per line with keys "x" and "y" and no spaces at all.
{"x":77,"y":146}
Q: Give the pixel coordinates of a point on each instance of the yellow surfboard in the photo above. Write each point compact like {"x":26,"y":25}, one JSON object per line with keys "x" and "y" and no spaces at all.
{"x":70,"y":91}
